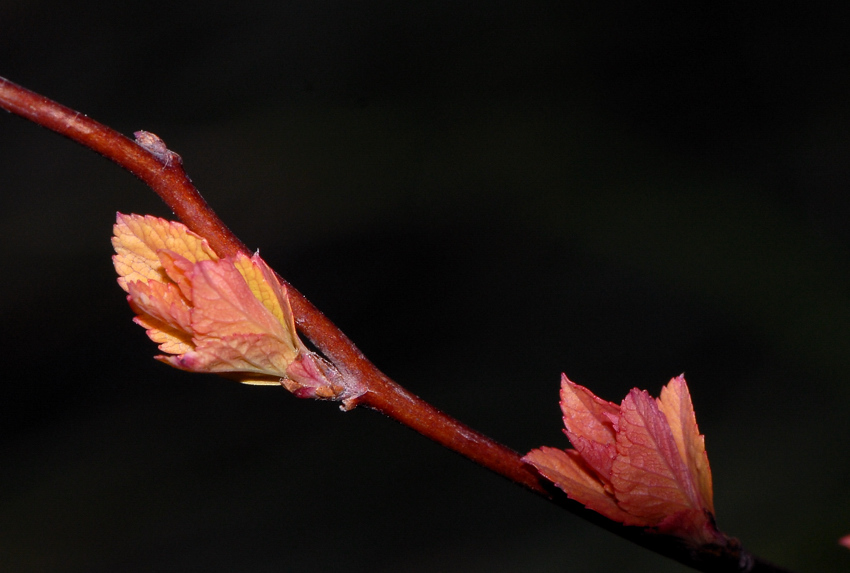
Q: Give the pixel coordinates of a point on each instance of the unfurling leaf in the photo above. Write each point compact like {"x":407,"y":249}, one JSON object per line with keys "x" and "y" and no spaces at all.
{"x":209,"y":314}
{"x":641,"y":463}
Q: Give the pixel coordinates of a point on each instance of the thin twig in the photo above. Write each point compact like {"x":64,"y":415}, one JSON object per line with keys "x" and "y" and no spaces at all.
{"x":163,"y":172}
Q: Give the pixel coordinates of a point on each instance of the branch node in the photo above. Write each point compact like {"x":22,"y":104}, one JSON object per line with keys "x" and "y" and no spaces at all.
{"x":154,"y":144}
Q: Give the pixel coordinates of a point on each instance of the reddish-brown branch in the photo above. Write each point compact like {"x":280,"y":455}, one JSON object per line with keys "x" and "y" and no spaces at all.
{"x":163,"y":172}
{"x":169,"y":181}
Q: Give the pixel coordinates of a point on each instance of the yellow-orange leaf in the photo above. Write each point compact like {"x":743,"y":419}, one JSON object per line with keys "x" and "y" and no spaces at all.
{"x":675,"y":403}
{"x":137,"y":240}
{"x":208,"y":314}
{"x":260,"y":279}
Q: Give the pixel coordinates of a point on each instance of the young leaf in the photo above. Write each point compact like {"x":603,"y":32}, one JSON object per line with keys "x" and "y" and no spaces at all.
{"x":642,"y":463}
{"x":567,"y":470}
{"x":229,"y":316}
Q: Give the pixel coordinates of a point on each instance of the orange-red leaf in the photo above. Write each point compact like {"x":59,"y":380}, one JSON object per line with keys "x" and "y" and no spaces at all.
{"x":649,"y":477}
{"x":641,"y":463}
{"x":569,"y":472}
{"x":589,"y":422}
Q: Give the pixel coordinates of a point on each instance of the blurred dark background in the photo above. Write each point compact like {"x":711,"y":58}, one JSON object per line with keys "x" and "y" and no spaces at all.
{"x":482,"y":195}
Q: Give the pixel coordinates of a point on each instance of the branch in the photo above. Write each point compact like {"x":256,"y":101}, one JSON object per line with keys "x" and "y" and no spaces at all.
{"x":161,"y":169}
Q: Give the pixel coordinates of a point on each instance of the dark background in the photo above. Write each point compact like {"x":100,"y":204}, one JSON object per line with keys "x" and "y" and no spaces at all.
{"x":482,"y":195}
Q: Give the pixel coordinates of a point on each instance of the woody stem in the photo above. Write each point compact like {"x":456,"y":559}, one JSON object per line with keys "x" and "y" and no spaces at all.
{"x":170,"y":182}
